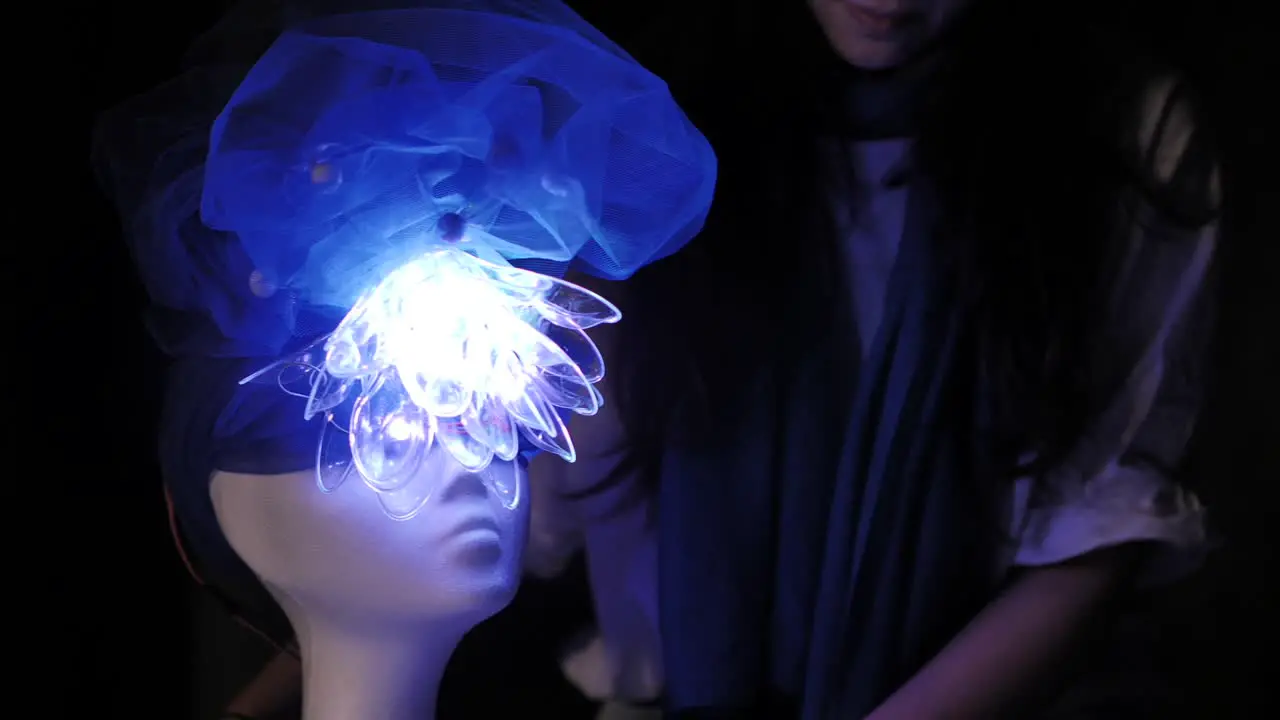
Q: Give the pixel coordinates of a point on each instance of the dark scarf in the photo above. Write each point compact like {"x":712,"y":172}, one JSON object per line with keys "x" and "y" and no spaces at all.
{"x":811,"y":565}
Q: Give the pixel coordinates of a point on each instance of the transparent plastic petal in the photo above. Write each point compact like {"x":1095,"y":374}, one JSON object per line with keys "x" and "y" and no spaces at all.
{"x":482,"y":356}
{"x":469,"y":451}
{"x":557,"y":441}
{"x":504,"y":484}
{"x":569,"y":305}
{"x":346,"y":356}
{"x":439,"y":396}
{"x":559,"y":378}
{"x":519,"y":285}
{"x":528,"y":409}
{"x":567,"y":393}
{"x":407,"y":500}
{"x":580,"y":349}
{"x":489,"y":421}
{"x":389,"y":436}
{"x":333,"y":457}
{"x":327,"y":393}
{"x":299,"y":366}
{"x":297,"y":379}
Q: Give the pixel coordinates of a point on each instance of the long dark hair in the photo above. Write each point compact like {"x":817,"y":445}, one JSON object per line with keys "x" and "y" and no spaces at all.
{"x":1024,"y":131}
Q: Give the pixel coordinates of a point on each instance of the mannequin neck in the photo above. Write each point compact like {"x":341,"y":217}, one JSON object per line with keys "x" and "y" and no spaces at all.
{"x":379,"y":670}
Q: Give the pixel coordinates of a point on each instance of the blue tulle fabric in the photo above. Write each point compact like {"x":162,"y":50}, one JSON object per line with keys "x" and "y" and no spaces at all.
{"x":310,"y":147}
{"x":349,"y":140}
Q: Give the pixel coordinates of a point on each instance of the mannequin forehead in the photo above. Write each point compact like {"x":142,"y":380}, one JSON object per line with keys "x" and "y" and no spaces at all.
{"x":460,"y":555}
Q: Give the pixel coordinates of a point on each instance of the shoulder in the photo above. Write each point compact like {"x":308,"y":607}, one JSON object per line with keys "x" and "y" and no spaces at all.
{"x":1162,"y":132}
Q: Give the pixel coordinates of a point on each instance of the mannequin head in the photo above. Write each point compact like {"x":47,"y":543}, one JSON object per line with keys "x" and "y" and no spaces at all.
{"x":338,"y":555}
{"x":377,"y":604}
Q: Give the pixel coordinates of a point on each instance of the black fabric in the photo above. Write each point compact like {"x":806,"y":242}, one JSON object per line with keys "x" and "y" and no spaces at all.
{"x":832,"y":549}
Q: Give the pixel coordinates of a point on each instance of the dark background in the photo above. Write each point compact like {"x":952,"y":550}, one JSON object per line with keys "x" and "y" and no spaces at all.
{"x":118,"y":628}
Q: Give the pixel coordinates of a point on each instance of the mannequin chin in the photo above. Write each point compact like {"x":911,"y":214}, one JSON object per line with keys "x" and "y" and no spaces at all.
{"x":379,"y":604}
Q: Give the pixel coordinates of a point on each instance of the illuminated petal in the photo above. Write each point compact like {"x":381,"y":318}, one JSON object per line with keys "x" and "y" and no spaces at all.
{"x":389,"y":436}
{"x":298,"y":365}
{"x":504,"y":483}
{"x":529,"y":410}
{"x":567,"y":394}
{"x":327,"y":393}
{"x":482,"y":359}
{"x":342,"y":357}
{"x":439,"y":395}
{"x":353,"y":348}
{"x":555,"y":373}
{"x":333,"y":457}
{"x":557,"y":442}
{"x":488,"y":421}
{"x":297,"y":379}
{"x":407,"y":500}
{"x":520,"y":285}
{"x":347,"y":357}
{"x":569,"y":305}
{"x":580,"y":349}
{"x":470,"y":452}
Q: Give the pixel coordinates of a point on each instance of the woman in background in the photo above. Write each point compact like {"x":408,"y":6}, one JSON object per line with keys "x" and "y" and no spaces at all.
{"x":924,"y":381}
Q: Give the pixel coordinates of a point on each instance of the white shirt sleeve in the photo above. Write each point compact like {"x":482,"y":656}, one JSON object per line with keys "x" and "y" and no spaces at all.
{"x":1115,"y":487}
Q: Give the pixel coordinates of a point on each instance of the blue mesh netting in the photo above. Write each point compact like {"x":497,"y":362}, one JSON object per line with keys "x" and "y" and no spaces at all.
{"x":259,"y":192}
{"x":345,"y":144}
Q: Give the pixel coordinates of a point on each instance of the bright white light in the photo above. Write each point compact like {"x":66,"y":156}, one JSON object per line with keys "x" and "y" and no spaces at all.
{"x":455,"y":350}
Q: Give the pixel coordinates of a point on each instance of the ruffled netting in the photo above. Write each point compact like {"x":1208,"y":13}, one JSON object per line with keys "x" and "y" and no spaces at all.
{"x":377,"y":201}
{"x":347,"y":143}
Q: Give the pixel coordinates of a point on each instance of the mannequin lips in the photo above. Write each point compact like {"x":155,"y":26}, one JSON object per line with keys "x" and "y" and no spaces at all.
{"x":475,"y":526}
{"x":477,"y":542}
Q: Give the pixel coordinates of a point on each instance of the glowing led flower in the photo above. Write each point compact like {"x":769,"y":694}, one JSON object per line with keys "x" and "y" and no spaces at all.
{"x":453,"y":350}
{"x":371,"y":163}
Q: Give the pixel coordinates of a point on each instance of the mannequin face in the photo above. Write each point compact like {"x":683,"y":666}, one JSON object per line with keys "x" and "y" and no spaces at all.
{"x":457,"y":560}
{"x":879,"y":34}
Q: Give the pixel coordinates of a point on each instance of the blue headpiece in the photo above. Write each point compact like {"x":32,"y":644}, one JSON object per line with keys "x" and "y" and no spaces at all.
{"x":407,"y":186}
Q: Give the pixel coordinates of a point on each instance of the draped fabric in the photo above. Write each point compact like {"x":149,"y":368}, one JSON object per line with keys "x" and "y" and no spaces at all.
{"x":818,"y":556}
{"x":840,"y":519}
{"x":837,"y":536}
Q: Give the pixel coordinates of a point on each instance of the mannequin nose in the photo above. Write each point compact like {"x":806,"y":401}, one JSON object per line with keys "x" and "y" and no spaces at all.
{"x":466,"y":485}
